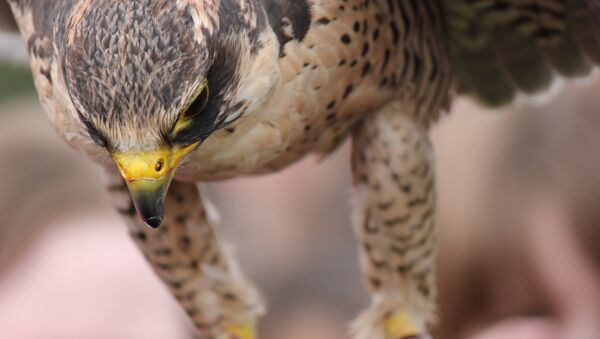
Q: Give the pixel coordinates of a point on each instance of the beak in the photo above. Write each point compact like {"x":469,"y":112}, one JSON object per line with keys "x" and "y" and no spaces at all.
{"x":148,"y":196}
{"x":148,"y":175}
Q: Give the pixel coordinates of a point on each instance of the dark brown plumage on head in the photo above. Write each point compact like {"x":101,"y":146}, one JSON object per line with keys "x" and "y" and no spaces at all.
{"x":133,"y":68}
{"x":151,"y":79}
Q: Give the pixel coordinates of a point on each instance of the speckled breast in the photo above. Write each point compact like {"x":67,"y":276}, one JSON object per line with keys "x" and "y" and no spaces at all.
{"x":355,"y":57}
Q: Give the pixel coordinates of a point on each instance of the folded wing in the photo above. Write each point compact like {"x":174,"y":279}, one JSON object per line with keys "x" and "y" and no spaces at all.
{"x":504,"y":47}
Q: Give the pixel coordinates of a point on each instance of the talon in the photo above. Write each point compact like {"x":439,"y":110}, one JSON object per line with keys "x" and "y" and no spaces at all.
{"x":400,"y":325}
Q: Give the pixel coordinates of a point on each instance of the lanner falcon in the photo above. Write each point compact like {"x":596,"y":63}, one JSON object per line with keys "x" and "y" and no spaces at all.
{"x":167,"y":93}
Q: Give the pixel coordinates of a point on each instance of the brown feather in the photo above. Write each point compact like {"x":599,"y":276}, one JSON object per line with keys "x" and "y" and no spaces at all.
{"x":521,"y":45}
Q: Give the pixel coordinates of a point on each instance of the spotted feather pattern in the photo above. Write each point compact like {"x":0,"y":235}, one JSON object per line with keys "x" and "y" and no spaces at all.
{"x":293,"y":77}
{"x":394,"y":203}
{"x":188,"y":257}
{"x":356,"y":56}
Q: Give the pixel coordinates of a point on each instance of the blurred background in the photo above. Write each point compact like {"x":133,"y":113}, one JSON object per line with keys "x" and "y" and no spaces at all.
{"x":519,"y":214}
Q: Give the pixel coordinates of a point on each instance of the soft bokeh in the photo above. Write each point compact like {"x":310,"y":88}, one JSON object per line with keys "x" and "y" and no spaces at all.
{"x":69,"y":271}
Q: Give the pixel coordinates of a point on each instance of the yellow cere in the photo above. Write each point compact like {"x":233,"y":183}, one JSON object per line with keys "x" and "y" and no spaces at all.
{"x":153,"y":164}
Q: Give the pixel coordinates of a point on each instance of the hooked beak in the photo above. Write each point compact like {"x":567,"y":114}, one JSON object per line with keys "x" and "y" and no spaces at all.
{"x":148,"y":196}
{"x":148,"y":175}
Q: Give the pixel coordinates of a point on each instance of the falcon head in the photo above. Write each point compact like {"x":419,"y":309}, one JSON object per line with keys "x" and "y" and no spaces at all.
{"x":152,"y":79}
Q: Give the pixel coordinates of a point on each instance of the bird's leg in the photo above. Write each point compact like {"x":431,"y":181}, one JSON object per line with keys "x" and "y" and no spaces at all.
{"x":186,"y":255}
{"x":394,"y":223}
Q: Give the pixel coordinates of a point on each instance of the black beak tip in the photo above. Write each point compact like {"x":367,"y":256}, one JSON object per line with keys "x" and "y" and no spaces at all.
{"x":153,"y":222}
{"x":148,"y":197}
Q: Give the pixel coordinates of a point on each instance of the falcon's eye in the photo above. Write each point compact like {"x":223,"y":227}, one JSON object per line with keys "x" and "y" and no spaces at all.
{"x":196,"y":105}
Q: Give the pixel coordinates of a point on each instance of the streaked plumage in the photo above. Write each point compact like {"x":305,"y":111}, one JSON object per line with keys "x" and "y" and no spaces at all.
{"x":239,"y":87}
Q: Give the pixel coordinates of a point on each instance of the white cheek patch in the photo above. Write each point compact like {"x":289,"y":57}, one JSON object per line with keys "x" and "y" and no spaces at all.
{"x":258,"y":86}
{"x":263,"y":73}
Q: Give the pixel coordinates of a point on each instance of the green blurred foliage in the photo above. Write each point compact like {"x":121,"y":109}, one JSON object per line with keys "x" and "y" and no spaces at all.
{"x":14,"y":81}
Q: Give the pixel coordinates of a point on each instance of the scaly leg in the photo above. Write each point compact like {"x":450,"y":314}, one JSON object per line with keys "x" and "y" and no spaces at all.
{"x":186,"y":255}
{"x":394,"y":223}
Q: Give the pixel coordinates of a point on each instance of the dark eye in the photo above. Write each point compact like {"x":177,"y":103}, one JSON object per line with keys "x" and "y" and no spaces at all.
{"x":198,"y":104}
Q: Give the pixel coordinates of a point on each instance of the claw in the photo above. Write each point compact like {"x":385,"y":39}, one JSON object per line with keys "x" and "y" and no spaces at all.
{"x":400,"y":325}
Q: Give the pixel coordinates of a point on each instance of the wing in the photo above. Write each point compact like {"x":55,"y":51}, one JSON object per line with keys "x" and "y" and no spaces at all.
{"x":504,"y":47}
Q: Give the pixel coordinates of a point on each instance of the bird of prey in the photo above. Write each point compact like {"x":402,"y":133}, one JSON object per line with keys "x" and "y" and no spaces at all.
{"x":168,"y":93}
